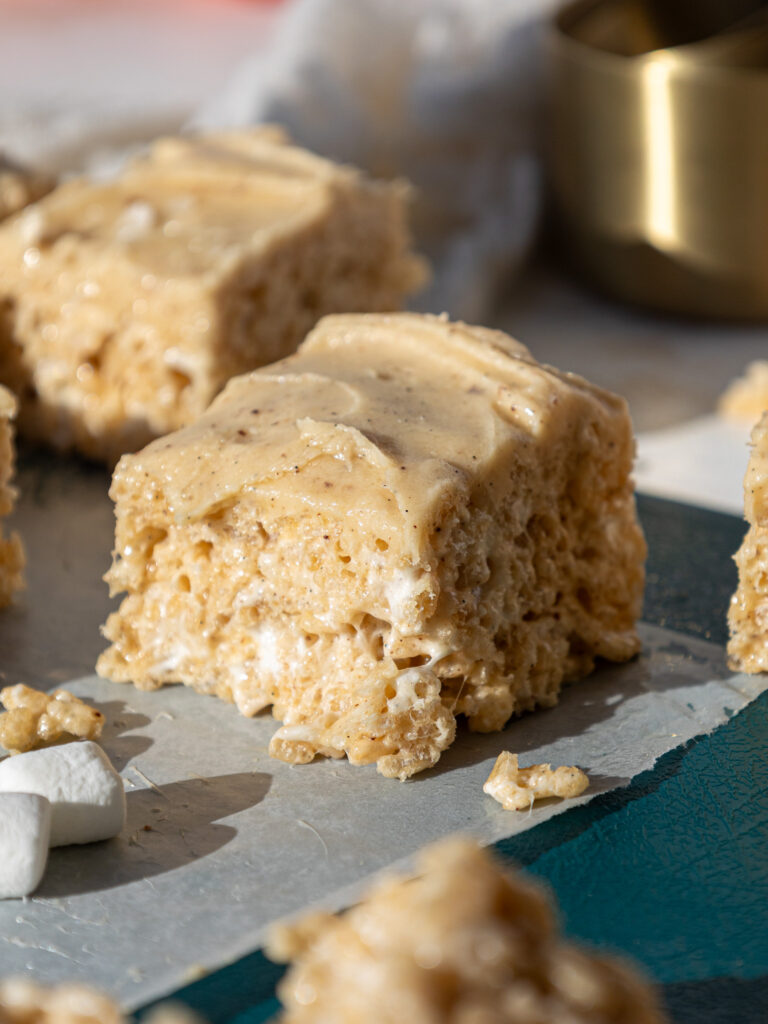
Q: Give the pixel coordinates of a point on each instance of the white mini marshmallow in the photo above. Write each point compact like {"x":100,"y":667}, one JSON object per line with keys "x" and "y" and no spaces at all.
{"x":25,"y":827}
{"x":85,"y":792}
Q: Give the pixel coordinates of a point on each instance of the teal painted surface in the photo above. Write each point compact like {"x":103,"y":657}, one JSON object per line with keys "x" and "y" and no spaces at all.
{"x":690,"y":574}
{"x":257,"y":1014}
{"x":672,"y":870}
{"x":242,"y":993}
{"x":675,"y":870}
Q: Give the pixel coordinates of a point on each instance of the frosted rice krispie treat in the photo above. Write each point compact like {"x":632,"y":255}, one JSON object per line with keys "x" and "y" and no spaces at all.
{"x":748,"y":613}
{"x":11,"y":551}
{"x":407,"y":521}
{"x":464,"y":940}
{"x":126,"y":305}
{"x":20,"y":186}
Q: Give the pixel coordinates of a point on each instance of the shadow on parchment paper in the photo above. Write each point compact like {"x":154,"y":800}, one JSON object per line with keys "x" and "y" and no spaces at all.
{"x":167,"y":828}
{"x":118,"y":720}
{"x":582,"y":705}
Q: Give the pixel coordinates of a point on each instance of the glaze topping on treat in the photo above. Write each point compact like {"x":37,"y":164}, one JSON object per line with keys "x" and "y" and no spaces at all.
{"x":378,"y":419}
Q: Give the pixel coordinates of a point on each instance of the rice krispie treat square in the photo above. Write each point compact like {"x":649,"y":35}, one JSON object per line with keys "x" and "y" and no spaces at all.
{"x":125,"y":305}
{"x":748,"y":612}
{"x":11,"y":551}
{"x":407,"y":521}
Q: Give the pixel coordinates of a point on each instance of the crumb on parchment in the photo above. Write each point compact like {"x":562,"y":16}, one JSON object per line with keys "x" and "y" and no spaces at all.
{"x":34,"y":719}
{"x":516,"y":788}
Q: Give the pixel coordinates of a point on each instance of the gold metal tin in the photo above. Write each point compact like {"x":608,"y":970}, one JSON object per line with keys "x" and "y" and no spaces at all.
{"x":658,"y":159}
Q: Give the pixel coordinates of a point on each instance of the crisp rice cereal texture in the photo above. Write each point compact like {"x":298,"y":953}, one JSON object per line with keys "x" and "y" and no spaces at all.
{"x":407,"y":521}
{"x":126,"y":305}
{"x":33,"y":719}
{"x":746,"y":398}
{"x":464,"y":940}
{"x":517,"y":788}
{"x":748,"y":612}
{"x":11,"y":551}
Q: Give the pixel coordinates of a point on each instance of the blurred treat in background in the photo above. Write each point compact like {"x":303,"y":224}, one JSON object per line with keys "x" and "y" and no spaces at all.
{"x":658,"y":153}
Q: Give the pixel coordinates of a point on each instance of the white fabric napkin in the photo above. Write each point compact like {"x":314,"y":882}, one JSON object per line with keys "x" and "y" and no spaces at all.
{"x":446,"y":93}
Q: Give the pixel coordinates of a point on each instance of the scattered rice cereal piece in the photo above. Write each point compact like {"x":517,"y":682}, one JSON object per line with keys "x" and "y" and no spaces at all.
{"x":463,"y":940}
{"x":516,"y":788}
{"x":34,"y":719}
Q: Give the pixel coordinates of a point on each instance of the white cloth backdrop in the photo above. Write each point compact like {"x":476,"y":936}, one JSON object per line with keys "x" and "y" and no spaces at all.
{"x":446,"y":93}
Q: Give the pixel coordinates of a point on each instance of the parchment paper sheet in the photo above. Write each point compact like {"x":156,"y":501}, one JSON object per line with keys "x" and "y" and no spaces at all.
{"x":221,"y":839}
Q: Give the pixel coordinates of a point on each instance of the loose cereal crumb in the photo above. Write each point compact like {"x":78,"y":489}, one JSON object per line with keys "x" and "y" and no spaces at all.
{"x":34,"y":719}
{"x":464,"y":940}
{"x":516,"y":788}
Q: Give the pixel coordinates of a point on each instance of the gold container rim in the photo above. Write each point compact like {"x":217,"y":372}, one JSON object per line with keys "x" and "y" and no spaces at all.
{"x":658,"y":161}
{"x":710,"y":57}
